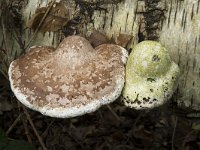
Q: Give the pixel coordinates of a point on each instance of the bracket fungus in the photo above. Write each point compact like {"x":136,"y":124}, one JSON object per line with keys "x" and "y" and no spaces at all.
{"x":71,"y":80}
{"x":151,"y":76}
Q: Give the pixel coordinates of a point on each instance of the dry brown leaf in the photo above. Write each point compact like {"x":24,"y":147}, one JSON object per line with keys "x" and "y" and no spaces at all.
{"x":97,"y":38}
{"x":123,"y":39}
{"x":57,"y":17}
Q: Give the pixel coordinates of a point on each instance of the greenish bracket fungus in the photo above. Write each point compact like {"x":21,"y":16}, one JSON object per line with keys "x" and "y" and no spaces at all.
{"x":71,"y":80}
{"x":151,"y":76}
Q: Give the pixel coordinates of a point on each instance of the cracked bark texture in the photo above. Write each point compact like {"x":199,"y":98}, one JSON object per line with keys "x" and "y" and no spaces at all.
{"x":115,"y":17}
{"x":180,"y":33}
{"x":175,"y":23}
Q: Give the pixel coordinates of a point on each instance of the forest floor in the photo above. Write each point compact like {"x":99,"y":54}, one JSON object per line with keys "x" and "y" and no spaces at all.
{"x":112,"y":127}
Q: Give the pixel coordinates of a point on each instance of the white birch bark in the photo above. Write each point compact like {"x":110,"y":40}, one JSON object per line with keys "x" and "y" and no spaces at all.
{"x":48,"y":38}
{"x":121,"y":18}
{"x":181,"y":35}
{"x":118,"y":18}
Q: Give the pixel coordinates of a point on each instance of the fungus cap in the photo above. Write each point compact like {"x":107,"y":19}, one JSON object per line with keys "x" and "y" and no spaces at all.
{"x":151,"y":76}
{"x":71,"y":80}
{"x":151,"y":59}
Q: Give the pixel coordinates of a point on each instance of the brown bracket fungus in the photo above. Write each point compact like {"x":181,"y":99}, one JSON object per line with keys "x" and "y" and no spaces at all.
{"x":71,"y":80}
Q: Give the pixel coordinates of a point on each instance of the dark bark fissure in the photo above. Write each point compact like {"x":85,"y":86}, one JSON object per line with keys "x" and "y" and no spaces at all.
{"x":153,"y":18}
{"x":85,"y":14}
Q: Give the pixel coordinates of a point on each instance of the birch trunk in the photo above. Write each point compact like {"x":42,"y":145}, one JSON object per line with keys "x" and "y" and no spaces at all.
{"x":180,"y":33}
{"x":175,"y":23}
{"x":115,"y":19}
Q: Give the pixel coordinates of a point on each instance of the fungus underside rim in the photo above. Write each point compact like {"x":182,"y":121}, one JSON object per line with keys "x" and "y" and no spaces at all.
{"x":74,"y":111}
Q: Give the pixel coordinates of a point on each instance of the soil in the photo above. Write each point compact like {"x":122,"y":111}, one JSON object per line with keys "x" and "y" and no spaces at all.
{"x":160,"y":128}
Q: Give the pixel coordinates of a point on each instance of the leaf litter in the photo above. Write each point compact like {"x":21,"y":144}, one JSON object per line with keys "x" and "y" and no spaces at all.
{"x":57,"y":17}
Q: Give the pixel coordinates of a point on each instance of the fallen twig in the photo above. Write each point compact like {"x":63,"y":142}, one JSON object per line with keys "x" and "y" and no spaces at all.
{"x":40,"y":24}
{"x":74,"y":138}
{"x":34,"y":129}
{"x":13,"y":124}
{"x":44,"y":134}
{"x":174,"y":132}
{"x":26,"y":130}
{"x":186,"y":137}
{"x":114,"y":114}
